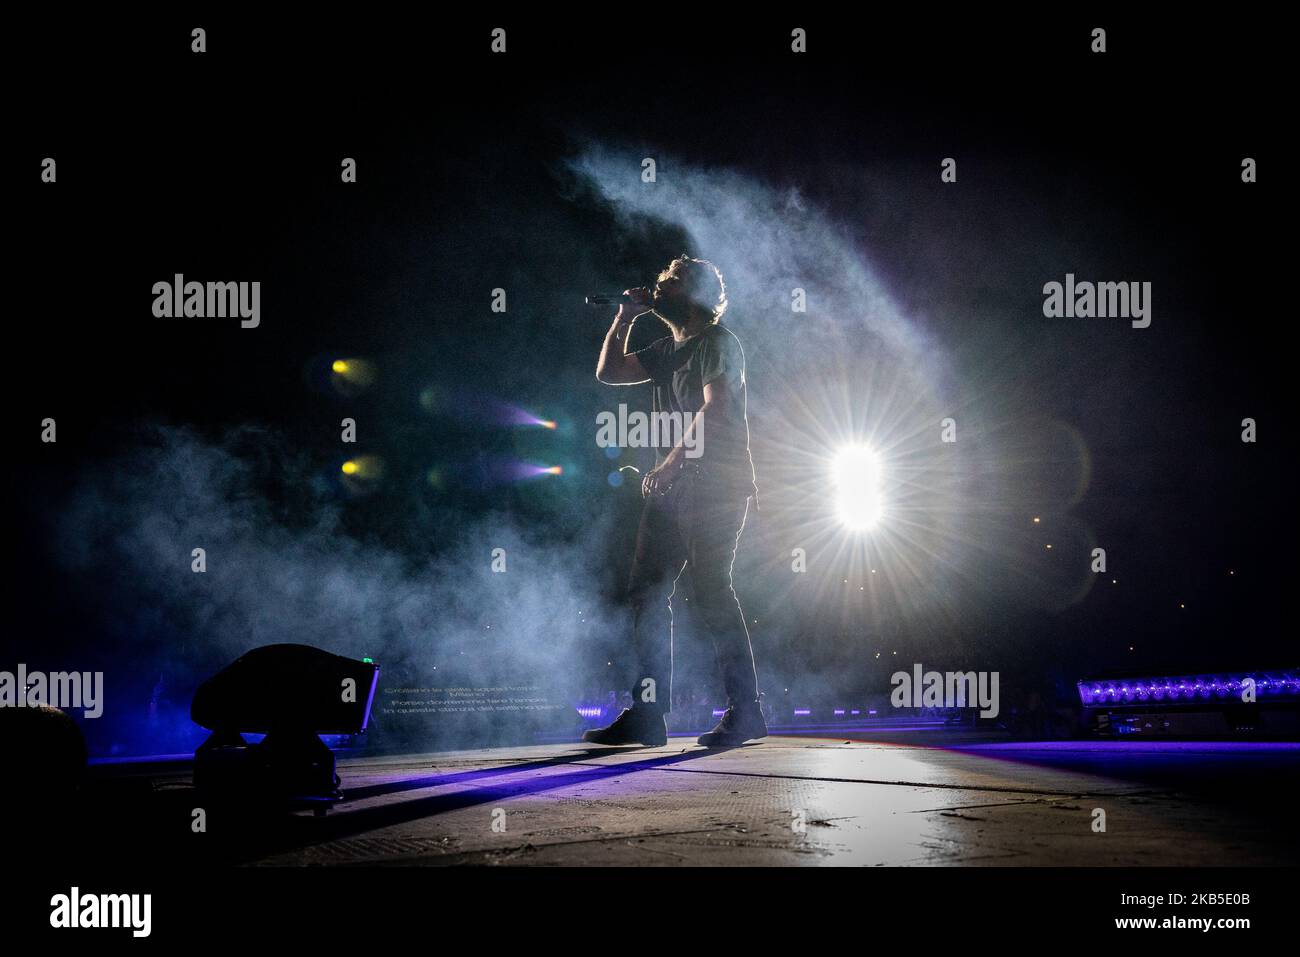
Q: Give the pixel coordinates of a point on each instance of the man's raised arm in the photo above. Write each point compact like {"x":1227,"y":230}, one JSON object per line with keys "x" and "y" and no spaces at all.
{"x":615,"y":366}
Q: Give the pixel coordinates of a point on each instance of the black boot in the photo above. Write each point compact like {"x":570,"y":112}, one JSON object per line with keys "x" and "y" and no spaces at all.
{"x":634,"y":726}
{"x":740,"y":723}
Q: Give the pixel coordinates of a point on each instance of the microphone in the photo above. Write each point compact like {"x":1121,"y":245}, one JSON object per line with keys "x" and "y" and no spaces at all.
{"x":608,"y":300}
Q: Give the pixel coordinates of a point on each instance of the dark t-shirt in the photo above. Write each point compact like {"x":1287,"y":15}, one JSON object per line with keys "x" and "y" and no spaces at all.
{"x":679,"y":371}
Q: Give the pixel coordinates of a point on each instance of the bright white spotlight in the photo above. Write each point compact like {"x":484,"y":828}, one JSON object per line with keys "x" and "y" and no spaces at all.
{"x":856,"y":474}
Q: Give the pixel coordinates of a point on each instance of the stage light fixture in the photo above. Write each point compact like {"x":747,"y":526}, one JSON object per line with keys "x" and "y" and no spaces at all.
{"x":291,"y":694}
{"x":855,"y":473}
{"x":1268,"y":686}
{"x":1260,"y":703}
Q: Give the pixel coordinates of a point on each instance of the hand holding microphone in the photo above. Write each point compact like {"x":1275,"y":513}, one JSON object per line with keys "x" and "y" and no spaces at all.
{"x":635,"y":302}
{"x":631,"y":303}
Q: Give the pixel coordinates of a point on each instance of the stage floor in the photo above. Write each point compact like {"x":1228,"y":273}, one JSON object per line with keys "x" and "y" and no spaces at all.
{"x":794,"y":801}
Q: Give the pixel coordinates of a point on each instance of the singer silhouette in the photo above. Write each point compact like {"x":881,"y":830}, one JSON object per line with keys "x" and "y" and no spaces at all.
{"x":695,"y":505}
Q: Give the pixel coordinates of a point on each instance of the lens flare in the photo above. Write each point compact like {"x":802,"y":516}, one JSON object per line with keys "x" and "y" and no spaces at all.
{"x":855,"y":473}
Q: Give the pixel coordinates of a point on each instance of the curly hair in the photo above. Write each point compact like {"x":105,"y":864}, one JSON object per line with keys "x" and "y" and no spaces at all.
{"x":704,"y":283}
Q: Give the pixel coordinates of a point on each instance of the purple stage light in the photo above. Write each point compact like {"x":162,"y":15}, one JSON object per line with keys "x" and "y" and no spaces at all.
{"x":1269,"y":685}
{"x":524,"y":470}
{"x":513,"y":415}
{"x":589,"y":712}
{"x":802,"y":711}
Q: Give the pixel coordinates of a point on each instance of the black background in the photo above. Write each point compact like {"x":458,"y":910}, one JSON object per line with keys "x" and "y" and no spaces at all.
{"x":226,"y":165}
